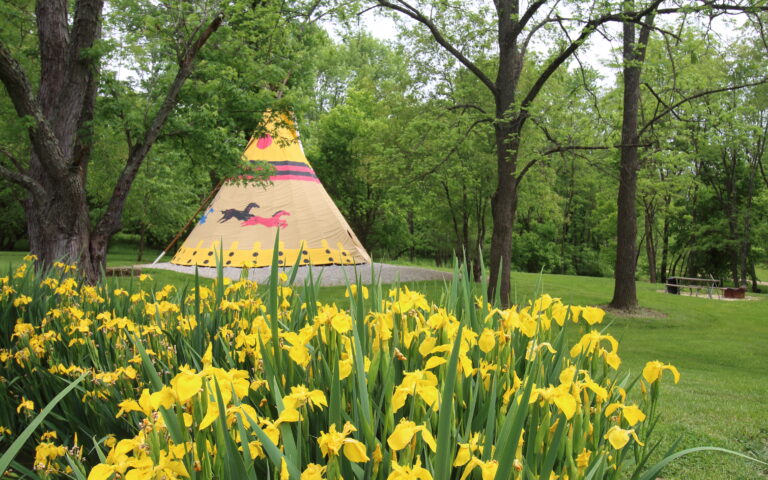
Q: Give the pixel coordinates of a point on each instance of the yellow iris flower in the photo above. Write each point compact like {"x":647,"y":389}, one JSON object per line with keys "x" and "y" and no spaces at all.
{"x":467,"y":450}
{"x":618,"y":437}
{"x":313,"y":472}
{"x":488,"y":469}
{"x":130,"y":405}
{"x":416,"y":472}
{"x":654,"y":369}
{"x":25,"y":405}
{"x":487,"y":340}
{"x":631,"y":413}
{"x":404,"y":433}
{"x":301,"y":395}
{"x":419,"y":382}
{"x":332,"y":443}
{"x":352,"y":291}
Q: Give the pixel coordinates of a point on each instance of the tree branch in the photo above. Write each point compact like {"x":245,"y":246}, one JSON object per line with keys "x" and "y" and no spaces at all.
{"x":672,"y":107}
{"x":467,"y":106}
{"x":525,"y":169}
{"x":453,"y":149}
{"x":587,"y":87}
{"x":13,"y":159}
{"x":546,"y":21}
{"x":22,"y":180}
{"x":590,"y":27}
{"x":529,"y":13}
{"x":110,"y":221}
{"x":406,"y":9}
{"x":708,"y":6}
{"x":44,"y":142}
{"x":86,"y":30}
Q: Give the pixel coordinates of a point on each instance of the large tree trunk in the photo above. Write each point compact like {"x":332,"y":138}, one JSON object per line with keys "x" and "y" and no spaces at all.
{"x":503,"y":210}
{"x":665,"y":241}
{"x":507,"y":139}
{"x":61,"y":115}
{"x":734,"y":247}
{"x":746,"y":240}
{"x":58,"y":223}
{"x":753,"y":276}
{"x":650,"y":245}
{"x":58,"y":227}
{"x":625,"y":292}
{"x":142,"y":241}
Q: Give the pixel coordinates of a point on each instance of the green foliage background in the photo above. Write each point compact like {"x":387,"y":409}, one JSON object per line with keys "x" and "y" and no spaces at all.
{"x":401,"y":136}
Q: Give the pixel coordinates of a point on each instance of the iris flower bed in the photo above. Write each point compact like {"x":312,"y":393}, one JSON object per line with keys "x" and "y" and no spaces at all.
{"x":263,"y":381}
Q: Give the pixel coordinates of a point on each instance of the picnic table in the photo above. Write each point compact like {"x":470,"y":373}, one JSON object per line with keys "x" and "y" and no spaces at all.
{"x":676,"y":284}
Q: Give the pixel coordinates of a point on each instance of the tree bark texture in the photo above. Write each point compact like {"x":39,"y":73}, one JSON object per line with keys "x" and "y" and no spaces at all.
{"x":61,"y":113}
{"x":665,"y":240}
{"x":503,"y":211}
{"x":625,"y":292}
{"x":650,"y":244}
{"x":507,"y":138}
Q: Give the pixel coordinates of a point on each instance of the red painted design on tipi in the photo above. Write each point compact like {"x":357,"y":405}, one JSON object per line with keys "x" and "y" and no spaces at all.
{"x":273,"y":221}
{"x":264,"y":142}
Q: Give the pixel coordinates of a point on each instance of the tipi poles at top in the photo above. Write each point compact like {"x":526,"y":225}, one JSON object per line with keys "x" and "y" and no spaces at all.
{"x":189,"y":222}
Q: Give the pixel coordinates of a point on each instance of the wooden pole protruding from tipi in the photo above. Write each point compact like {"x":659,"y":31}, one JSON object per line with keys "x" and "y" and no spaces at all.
{"x":203,"y":206}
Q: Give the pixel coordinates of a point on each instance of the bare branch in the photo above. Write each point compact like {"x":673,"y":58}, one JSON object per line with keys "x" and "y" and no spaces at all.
{"x":529,"y":13}
{"x":110,"y":221}
{"x":711,"y":7}
{"x":525,"y":169}
{"x":575,"y":44}
{"x":22,"y":180}
{"x":672,"y":107}
{"x":406,"y":9}
{"x":467,"y":106}
{"x":536,"y":28}
{"x":587,"y":87}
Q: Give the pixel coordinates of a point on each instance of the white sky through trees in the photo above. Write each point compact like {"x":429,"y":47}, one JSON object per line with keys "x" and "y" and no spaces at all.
{"x":601,"y":52}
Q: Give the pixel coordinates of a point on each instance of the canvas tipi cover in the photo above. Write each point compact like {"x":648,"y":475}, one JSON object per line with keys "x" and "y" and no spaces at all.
{"x":244,"y":219}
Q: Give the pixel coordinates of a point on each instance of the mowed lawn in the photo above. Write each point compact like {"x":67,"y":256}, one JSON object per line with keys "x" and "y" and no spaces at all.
{"x":720,"y":348}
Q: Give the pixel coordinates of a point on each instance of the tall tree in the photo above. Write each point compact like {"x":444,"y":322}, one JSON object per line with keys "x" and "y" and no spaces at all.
{"x":516,"y":25}
{"x":59,"y":118}
{"x":633,"y":55}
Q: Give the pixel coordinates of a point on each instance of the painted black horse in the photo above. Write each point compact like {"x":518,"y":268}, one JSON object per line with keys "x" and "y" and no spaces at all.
{"x":241,"y":215}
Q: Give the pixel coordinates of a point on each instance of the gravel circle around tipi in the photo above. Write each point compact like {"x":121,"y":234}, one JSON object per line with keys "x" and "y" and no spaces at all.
{"x":329,"y":275}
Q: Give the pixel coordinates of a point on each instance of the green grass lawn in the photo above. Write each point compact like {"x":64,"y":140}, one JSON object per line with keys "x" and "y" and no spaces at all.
{"x":721,"y":349}
{"x":762,"y":273}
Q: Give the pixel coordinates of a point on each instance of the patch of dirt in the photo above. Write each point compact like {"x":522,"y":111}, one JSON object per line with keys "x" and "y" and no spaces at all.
{"x":638,"y":312}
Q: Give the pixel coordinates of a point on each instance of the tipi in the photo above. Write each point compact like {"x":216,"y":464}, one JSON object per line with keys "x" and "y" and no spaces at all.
{"x":244,"y":219}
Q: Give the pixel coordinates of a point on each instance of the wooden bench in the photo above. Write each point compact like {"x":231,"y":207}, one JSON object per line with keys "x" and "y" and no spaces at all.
{"x":675,"y":284}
